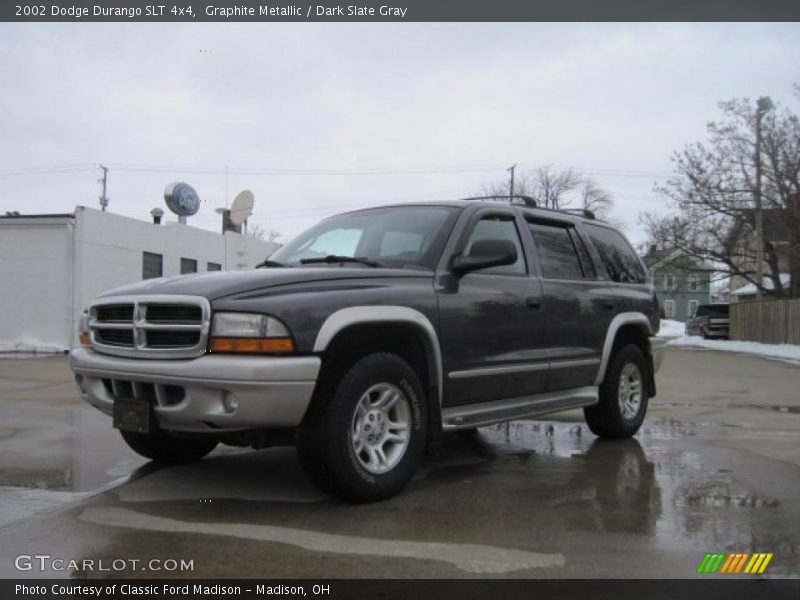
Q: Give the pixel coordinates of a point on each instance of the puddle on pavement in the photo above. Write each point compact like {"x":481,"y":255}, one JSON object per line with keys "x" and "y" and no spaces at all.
{"x":67,"y":449}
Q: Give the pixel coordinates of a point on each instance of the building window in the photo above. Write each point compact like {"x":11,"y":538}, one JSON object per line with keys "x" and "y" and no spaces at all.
{"x":152,"y":265}
{"x":669,"y":281}
{"x":692,"y":307}
{"x":669,"y":309}
{"x":213,"y":267}
{"x":188,"y":265}
{"x":693,"y":283}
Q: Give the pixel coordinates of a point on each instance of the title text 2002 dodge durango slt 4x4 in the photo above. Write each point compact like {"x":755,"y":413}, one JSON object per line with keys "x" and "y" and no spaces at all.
{"x":367,"y":336}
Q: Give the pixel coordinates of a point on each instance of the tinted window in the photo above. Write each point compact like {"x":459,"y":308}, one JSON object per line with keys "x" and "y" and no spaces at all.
{"x":213,"y":266}
{"x":718,"y":311}
{"x":188,"y":265}
{"x":586,"y":259}
{"x":616,"y":254}
{"x":498,"y":228}
{"x":152,"y":265}
{"x":557,"y":253}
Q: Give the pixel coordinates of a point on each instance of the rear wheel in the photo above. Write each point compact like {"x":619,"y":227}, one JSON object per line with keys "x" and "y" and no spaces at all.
{"x":364,"y":437}
{"x":623,"y":396}
{"x":165,"y":448}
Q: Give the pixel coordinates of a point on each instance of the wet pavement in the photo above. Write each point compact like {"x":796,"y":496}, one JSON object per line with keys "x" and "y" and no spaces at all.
{"x":716,"y":467}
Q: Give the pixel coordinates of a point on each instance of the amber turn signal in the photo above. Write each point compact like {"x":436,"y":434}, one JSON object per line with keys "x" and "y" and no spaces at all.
{"x":251,"y":345}
{"x":85,"y":339}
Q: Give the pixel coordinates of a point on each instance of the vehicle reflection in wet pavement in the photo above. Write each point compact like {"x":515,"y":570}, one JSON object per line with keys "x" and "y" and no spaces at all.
{"x":527,"y":499}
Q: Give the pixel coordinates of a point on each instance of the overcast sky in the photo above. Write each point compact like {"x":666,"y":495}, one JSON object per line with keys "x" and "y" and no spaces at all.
{"x":320,"y":118}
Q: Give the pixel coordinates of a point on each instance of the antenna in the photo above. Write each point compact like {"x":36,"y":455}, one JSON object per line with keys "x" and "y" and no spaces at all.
{"x":242,"y":207}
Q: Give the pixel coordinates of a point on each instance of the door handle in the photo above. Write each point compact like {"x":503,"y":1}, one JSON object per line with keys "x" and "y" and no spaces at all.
{"x":609,"y":305}
{"x":533,"y":302}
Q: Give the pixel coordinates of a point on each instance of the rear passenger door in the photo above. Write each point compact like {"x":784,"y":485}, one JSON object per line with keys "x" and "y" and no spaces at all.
{"x":576,"y":305}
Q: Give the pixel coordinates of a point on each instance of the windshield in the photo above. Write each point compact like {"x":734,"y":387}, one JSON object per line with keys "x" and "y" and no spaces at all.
{"x":395,"y":236}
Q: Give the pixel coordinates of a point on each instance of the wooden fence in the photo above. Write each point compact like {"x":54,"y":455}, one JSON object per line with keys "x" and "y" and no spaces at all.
{"x":766,"y":321}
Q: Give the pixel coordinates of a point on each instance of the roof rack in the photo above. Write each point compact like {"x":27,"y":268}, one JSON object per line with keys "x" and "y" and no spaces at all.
{"x":526,"y":199}
{"x":585,"y":212}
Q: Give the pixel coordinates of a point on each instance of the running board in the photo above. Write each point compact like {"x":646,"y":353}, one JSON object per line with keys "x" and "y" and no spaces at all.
{"x":488,"y":413}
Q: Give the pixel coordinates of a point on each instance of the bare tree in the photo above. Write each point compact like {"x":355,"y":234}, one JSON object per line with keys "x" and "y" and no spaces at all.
{"x":558,"y":189}
{"x":712,"y":197}
{"x":259,"y":232}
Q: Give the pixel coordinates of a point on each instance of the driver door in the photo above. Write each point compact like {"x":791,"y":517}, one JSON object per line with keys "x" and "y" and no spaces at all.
{"x":491,"y":328}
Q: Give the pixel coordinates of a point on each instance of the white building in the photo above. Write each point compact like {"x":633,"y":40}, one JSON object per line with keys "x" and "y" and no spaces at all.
{"x":51,"y":266}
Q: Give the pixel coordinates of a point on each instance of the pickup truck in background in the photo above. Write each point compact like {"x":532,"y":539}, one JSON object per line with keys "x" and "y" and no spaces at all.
{"x":710,"y":321}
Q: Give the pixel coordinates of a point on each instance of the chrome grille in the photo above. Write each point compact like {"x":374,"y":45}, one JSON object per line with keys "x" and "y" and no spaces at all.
{"x":150,"y":326}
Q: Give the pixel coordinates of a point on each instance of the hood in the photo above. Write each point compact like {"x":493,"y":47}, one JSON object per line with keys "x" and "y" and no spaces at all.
{"x":224,"y":283}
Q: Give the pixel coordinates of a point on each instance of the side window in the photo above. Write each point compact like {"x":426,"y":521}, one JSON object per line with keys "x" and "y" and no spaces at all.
{"x":499,"y":228}
{"x":616,"y":254}
{"x":557,"y":253}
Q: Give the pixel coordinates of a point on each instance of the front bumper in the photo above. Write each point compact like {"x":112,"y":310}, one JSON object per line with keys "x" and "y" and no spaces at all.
{"x":205,"y":394}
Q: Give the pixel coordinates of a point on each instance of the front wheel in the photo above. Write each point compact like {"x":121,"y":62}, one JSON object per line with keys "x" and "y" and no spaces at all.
{"x":165,"y":448}
{"x":623,"y":396}
{"x":363,"y":439}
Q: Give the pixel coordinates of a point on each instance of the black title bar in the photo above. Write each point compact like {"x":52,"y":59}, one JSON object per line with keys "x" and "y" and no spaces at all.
{"x":187,"y":11}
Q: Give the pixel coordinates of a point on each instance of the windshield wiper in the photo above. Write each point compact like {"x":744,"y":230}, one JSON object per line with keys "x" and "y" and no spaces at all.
{"x":269,"y":263}
{"x":333,"y":258}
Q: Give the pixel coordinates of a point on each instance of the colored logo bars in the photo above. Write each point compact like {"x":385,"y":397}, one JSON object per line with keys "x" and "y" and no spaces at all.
{"x":734,"y":563}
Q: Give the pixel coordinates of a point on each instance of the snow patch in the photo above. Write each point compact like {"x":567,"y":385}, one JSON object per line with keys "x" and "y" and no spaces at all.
{"x":671,"y":329}
{"x":30,"y":346}
{"x":786,"y":352}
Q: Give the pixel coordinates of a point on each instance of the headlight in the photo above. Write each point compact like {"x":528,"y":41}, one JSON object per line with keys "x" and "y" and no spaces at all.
{"x":84,"y":335}
{"x":249,"y":333}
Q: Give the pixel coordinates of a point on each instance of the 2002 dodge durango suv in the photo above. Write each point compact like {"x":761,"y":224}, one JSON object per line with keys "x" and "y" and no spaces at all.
{"x":369,"y":335}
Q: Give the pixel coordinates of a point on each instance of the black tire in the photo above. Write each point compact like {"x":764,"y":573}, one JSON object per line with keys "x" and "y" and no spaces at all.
{"x":606,"y":418}
{"x":325,"y":443}
{"x":164,"y":448}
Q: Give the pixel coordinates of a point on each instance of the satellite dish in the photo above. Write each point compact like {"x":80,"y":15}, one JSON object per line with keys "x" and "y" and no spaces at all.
{"x":182,"y":199}
{"x":242,"y":207}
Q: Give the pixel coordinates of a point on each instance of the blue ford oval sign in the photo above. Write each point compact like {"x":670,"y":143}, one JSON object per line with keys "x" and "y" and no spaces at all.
{"x":182,"y":199}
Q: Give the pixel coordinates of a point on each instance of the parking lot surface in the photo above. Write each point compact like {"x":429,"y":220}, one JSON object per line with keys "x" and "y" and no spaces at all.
{"x":715,"y":468}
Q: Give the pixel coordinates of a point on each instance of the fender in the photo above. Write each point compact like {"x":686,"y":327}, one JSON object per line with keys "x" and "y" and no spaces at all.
{"x":621,"y":319}
{"x":358,"y":315}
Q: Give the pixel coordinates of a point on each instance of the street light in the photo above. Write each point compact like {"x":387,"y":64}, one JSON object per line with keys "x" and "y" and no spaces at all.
{"x":763,"y":106}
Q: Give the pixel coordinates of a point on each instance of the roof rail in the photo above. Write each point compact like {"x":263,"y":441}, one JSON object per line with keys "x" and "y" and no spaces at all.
{"x":580,"y":211}
{"x":526,"y":199}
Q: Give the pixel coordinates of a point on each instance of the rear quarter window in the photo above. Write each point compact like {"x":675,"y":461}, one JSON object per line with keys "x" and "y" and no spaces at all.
{"x":616,"y":254}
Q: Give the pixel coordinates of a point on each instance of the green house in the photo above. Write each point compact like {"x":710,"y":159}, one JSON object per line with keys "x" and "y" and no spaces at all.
{"x":681,"y":283}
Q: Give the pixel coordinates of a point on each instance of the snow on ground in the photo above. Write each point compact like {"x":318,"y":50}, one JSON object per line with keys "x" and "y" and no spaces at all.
{"x":674,"y":331}
{"x":786,"y":352}
{"x":29,"y":345}
{"x":671,"y":329}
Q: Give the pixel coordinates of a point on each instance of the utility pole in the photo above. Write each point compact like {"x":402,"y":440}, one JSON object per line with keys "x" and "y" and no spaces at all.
{"x":511,"y":185}
{"x":104,"y":181}
{"x":763,"y":106}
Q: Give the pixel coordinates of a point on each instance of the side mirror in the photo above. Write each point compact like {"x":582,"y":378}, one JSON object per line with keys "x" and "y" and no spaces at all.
{"x":485,"y":254}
